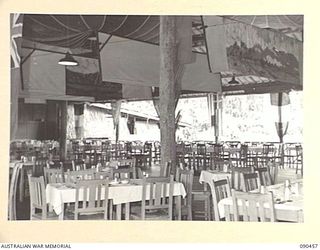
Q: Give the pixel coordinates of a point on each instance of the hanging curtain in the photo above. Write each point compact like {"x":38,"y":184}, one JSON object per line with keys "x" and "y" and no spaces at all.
{"x":116,"y":107}
{"x":15,"y":51}
{"x":210,"y":103}
{"x":280,"y":99}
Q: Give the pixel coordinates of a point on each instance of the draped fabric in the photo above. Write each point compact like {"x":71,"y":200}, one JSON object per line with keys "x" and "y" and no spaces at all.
{"x":229,"y":45}
{"x":214,"y":103}
{"x":282,"y":128}
{"x":254,"y":51}
{"x":280,"y":99}
{"x":15,"y":57}
{"x":211,"y":107}
{"x":78,"y":34}
{"x":116,"y":114}
{"x":290,"y":25}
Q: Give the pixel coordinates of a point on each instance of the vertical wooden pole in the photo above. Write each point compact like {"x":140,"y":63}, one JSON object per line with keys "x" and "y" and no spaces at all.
{"x":280,"y":126}
{"x":168,"y":56}
{"x":63,"y":130}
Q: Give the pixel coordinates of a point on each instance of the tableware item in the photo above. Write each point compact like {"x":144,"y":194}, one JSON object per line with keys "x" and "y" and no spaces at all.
{"x":115,"y":181}
{"x":287,"y":191}
{"x":125,"y":181}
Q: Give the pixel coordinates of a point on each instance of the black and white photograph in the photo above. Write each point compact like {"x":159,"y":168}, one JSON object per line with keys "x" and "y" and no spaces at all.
{"x":156,"y":118}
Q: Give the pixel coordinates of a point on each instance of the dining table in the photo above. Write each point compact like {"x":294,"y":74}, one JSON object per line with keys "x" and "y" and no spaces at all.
{"x":206,"y":176}
{"x":59,"y":194}
{"x":285,"y":210}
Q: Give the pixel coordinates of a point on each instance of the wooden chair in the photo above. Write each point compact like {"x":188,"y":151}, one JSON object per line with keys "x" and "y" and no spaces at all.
{"x":104,"y":175}
{"x":205,"y":197}
{"x":92,"y":199}
{"x":273,"y":170}
{"x":72,"y":176}
{"x":12,"y":215}
{"x":38,"y":199}
{"x":236,"y":180}
{"x":251,"y":181}
{"x":157,"y":199}
{"x":166,"y":170}
{"x":78,"y":165}
{"x":219,"y":190}
{"x":127,"y":162}
{"x":186,"y":178}
{"x":54,"y":175}
{"x":38,"y":166}
{"x":299,"y":159}
{"x":126,"y":172}
{"x":139,"y":173}
{"x":252,"y":207}
{"x":264,"y":176}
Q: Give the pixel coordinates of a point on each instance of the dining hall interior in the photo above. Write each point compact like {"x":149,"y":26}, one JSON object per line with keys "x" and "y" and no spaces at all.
{"x":147,"y":117}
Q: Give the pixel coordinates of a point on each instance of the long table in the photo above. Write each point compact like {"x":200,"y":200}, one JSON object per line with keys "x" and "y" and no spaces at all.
{"x":291,"y":211}
{"x":58,"y":194}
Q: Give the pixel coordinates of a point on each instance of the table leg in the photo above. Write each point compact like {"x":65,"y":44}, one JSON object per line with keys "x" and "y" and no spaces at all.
{"x":127,"y":211}
{"x":118,"y":213}
{"x":179,"y":207}
{"x":61,"y":215}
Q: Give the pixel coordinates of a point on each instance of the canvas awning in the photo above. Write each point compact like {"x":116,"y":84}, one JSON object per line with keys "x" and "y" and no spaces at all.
{"x":260,"y":60}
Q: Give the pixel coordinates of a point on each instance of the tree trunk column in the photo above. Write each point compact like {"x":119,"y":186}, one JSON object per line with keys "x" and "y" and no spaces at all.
{"x":168,"y":56}
{"x":63,"y":130}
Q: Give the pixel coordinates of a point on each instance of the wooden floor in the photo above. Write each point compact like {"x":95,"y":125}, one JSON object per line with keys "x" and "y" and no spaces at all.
{"x":23,"y":208}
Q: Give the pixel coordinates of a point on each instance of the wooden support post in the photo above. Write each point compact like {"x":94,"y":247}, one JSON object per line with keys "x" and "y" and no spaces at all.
{"x":168,"y":59}
{"x":280,"y":129}
{"x":63,"y":130}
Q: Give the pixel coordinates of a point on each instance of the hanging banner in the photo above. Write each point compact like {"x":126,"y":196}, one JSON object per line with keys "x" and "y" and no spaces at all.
{"x":255,"y":51}
{"x":279,"y":99}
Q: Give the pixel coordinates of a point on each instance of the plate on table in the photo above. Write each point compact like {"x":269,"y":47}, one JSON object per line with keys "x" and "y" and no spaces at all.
{"x":114,"y":182}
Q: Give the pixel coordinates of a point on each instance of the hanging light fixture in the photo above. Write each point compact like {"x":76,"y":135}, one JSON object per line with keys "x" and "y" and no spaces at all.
{"x":68,"y":60}
{"x":233,"y":80}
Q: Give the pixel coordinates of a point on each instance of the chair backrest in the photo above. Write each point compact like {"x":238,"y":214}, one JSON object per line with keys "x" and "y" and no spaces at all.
{"x":38,"y":165}
{"x":157,"y":193}
{"x":236,"y":179}
{"x":127,"y":162}
{"x":201,"y":149}
{"x":264,"y":176}
{"x":299,"y":151}
{"x":127,"y":173}
{"x":165,"y":171}
{"x":219,"y":190}
{"x":186,"y":178}
{"x":72,"y":176}
{"x":222,"y":165}
{"x":139,"y":173}
{"x":54,"y":175}
{"x":251,"y":181}
{"x":37,"y":196}
{"x":273,"y":170}
{"x":254,"y":206}
{"x":78,"y":165}
{"x":268,"y":149}
{"x":13,"y":190}
{"x":104,"y":175}
{"x":91,"y":197}
{"x":244,"y":151}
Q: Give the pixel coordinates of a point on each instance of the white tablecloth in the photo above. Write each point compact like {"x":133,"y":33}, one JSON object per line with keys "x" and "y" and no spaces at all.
{"x":58,"y":194}
{"x":287,"y":211}
{"x":207,"y":176}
